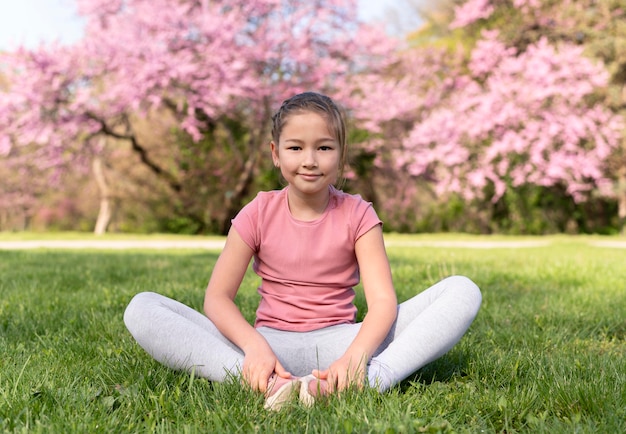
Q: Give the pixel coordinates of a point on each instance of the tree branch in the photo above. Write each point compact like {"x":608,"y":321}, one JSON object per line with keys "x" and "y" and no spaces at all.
{"x":140,"y":150}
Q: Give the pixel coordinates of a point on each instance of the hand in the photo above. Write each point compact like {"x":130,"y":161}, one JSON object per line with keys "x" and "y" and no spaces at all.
{"x":346,"y":371}
{"x":259,"y":364}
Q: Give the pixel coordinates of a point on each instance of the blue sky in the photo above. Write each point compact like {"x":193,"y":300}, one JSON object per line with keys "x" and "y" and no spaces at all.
{"x":30,"y":22}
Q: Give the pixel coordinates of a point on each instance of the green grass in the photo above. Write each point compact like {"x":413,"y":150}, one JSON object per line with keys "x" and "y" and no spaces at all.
{"x":26,"y":236}
{"x":547,"y":352}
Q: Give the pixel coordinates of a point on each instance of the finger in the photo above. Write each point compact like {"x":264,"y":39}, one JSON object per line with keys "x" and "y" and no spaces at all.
{"x":322,"y":375}
{"x":341,"y":382}
{"x":246,"y":377}
{"x":360,"y":380}
{"x":263,"y":381}
{"x":347,"y":379}
{"x":353,"y":379}
{"x":331,"y":379}
{"x":281,"y":371}
{"x":253,"y":380}
{"x":260,"y":386}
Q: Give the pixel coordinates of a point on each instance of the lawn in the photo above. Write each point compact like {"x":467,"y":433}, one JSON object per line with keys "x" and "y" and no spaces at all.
{"x":547,"y":352}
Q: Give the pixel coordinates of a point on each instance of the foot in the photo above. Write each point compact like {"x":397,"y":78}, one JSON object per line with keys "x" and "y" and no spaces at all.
{"x":279,"y":391}
{"x":310,"y":388}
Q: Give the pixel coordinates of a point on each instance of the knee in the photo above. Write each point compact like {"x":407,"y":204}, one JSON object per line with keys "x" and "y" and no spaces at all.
{"x":466,"y":290}
{"x":137,"y":308}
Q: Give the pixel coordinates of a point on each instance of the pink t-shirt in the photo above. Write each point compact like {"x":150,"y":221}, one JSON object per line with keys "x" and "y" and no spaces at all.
{"x":308,"y":269}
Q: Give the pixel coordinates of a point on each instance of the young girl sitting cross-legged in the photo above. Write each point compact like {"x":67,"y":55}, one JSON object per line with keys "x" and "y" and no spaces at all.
{"x":311,"y":244}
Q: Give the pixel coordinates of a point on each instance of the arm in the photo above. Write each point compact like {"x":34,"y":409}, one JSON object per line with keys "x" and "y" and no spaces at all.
{"x":219,"y":306}
{"x":382,"y":310}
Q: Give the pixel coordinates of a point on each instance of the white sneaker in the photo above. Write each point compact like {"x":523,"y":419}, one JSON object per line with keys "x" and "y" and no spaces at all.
{"x":310,"y":388}
{"x":280,"y":391}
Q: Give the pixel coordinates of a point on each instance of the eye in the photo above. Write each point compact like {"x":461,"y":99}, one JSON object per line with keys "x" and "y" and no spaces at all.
{"x":294,"y":148}
{"x":326,"y":148}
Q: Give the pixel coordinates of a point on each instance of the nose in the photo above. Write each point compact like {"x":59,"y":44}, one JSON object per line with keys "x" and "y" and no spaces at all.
{"x":308,"y":159}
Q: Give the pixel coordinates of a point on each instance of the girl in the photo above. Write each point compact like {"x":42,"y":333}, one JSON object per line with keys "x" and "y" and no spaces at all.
{"x":311,"y":243}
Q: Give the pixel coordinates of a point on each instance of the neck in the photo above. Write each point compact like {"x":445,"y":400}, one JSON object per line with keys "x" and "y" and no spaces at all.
{"x":306,"y":207}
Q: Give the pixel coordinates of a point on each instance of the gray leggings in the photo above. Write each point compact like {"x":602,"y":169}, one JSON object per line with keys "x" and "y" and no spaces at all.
{"x":428,"y":326}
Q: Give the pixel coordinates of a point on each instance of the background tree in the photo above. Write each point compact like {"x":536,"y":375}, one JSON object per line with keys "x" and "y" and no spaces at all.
{"x":598,"y":27}
{"x":211,"y":72}
{"x":502,"y":124}
{"x":496,"y":123}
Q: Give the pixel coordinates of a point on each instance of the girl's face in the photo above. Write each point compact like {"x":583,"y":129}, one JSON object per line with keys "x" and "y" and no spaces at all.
{"x":307,"y":154}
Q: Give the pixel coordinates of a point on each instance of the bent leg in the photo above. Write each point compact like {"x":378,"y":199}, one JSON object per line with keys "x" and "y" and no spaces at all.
{"x":181,"y":337}
{"x":427,"y":327}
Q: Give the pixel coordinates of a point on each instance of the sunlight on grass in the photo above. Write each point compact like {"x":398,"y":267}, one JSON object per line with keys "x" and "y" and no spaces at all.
{"x":545,"y":354}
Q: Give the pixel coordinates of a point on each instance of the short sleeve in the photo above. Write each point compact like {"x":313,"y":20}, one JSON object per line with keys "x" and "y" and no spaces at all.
{"x":246,"y":224}
{"x":366,"y":218}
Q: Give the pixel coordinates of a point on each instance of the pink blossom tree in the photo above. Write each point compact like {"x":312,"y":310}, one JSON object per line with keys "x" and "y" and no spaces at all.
{"x":211,"y":71}
{"x":495,"y":115}
{"x":384,"y":114}
{"x":596,"y":29}
{"x":518,"y":118}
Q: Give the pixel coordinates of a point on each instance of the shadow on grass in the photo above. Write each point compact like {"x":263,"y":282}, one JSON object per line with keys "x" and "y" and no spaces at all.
{"x":443,"y":370}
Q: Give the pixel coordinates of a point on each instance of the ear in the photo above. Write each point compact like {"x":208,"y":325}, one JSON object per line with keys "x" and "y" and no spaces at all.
{"x":274,"y":149}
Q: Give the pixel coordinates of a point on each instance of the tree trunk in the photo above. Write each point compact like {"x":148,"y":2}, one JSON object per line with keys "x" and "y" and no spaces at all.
{"x":106,"y":208}
{"x":621,"y":199}
{"x":232,"y":204}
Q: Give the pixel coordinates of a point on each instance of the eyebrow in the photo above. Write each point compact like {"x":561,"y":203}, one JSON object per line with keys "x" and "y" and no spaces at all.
{"x":324,"y":140}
